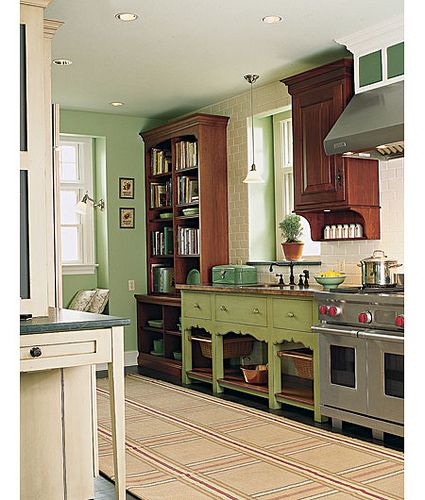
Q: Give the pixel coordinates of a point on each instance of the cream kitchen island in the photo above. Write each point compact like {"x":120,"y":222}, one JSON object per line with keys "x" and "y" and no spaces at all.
{"x":58,"y":409}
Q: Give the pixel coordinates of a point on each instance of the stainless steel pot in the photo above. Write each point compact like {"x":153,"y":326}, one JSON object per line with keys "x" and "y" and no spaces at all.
{"x":378,"y":270}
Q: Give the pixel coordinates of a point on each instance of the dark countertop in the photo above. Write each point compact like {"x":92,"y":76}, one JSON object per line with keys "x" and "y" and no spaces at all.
{"x":65,"y":320}
{"x":262,"y":289}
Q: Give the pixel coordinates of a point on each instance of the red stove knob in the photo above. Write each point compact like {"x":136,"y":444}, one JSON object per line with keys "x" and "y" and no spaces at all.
{"x":334,"y":311}
{"x":399,"y":321}
{"x":323,"y":310}
{"x":365,"y":317}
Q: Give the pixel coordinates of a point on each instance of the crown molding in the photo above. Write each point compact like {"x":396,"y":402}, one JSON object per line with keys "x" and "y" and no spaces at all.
{"x":50,"y":27}
{"x":381,"y":35}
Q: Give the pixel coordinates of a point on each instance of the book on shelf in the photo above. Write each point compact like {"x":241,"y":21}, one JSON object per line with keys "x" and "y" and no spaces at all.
{"x":162,"y":241}
{"x":161,"y":194}
{"x":187,"y":190}
{"x":187,"y":240}
{"x":163,"y":279}
{"x":160,"y":161}
{"x":186,"y":154}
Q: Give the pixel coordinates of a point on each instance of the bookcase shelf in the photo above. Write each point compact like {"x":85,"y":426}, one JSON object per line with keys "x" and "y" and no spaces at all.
{"x":186,"y":167}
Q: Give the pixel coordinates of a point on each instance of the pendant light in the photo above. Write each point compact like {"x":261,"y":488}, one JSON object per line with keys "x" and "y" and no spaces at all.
{"x":253,"y":176}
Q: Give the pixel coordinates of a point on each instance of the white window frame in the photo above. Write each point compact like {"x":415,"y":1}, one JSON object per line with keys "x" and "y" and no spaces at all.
{"x":284,"y":180}
{"x":86,"y":263}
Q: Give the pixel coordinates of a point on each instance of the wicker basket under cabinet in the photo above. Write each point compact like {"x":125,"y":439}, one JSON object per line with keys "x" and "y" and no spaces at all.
{"x":303,"y":362}
{"x":232,"y":348}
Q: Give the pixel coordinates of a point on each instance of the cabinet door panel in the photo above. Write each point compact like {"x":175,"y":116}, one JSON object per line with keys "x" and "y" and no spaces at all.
{"x":318,"y":178}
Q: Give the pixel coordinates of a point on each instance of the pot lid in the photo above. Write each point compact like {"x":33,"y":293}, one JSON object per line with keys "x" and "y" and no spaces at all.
{"x":378,"y":256}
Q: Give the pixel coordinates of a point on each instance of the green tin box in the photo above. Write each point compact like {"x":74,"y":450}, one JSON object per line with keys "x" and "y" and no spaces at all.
{"x":234,"y":275}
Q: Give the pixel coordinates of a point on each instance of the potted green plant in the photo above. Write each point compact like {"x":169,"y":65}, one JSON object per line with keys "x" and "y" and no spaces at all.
{"x":291,"y":229}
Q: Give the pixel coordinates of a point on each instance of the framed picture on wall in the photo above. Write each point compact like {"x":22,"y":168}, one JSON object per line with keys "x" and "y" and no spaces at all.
{"x":127,"y":218}
{"x":126,"y":187}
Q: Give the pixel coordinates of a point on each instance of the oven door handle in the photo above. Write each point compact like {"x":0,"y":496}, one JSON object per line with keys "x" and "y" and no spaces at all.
{"x":380,"y":336}
{"x":334,"y":331}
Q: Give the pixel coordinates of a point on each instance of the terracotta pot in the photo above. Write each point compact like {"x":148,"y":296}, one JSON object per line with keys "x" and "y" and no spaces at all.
{"x":292,"y":251}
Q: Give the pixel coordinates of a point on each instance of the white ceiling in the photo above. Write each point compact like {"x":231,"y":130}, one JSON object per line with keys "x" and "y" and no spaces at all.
{"x":181,"y":55}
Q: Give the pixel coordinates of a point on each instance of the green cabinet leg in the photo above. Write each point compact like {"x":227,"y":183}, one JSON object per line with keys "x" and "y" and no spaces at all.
{"x":186,"y":355}
{"x":217,"y":362}
{"x":275,"y":377}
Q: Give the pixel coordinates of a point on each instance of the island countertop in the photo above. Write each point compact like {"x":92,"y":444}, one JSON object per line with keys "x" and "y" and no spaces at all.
{"x":260,"y":289}
{"x":61,"y":320}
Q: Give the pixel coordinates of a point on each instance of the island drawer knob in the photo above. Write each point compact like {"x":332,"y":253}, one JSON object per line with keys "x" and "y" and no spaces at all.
{"x":256,"y":310}
{"x":35,"y":352}
{"x":196,"y":306}
{"x":223,"y":308}
{"x":291,"y":314}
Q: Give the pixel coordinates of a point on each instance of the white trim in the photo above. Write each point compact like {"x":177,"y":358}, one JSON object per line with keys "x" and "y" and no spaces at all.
{"x":367,"y":40}
{"x":71,"y":269}
{"x":130,"y":359}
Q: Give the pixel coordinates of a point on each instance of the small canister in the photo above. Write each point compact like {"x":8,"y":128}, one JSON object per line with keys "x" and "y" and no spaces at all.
{"x":333,"y":232}
{"x":339,"y":231}
{"x":345,"y":230}
{"x":352,"y":231}
{"x":358,"y":231}
{"x":327,"y":232}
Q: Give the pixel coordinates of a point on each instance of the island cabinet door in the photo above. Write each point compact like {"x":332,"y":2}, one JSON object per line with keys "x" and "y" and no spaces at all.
{"x":41,"y":455}
{"x":56,"y":435}
{"x":318,"y":178}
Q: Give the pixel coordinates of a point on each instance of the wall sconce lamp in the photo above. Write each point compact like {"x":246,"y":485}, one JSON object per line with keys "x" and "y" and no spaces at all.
{"x":81,"y":207}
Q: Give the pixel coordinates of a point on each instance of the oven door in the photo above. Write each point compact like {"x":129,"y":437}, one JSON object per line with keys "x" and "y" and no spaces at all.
{"x":342,"y":359}
{"x":385,"y":362}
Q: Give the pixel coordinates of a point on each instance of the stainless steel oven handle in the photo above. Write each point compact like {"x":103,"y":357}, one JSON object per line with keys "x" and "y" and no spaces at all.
{"x":334,"y":331}
{"x":380,"y":336}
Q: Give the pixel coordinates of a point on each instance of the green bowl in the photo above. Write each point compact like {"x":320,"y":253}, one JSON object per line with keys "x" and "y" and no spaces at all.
{"x":329,"y":281}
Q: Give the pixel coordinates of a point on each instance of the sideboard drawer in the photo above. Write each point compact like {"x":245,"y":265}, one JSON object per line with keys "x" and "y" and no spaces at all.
{"x":292,"y":314}
{"x":64,"y":349}
{"x":196,"y":305}
{"x":241,"y":309}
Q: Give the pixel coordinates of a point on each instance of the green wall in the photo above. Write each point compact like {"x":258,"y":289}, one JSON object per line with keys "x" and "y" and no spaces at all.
{"x":262,"y":222}
{"x":121,"y":253}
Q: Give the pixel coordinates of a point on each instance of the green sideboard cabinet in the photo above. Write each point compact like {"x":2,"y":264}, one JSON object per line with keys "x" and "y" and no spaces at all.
{"x":214,"y":318}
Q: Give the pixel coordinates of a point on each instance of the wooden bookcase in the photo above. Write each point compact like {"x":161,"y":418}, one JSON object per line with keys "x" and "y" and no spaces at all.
{"x":186,"y":167}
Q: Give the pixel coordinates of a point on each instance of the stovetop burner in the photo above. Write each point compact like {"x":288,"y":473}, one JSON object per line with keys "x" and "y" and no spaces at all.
{"x":362,"y":290}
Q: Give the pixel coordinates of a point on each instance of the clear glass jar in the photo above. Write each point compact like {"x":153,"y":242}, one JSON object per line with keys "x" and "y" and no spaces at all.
{"x":339,"y":231}
{"x":333,"y":232}
{"x":327,"y":232}
{"x":345,"y":230}
{"x":352,"y":231}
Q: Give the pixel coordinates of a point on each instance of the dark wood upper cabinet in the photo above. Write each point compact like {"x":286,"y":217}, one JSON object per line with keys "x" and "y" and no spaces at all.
{"x":347,"y":189}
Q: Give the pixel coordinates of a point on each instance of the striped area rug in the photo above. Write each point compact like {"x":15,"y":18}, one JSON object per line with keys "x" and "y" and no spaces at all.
{"x":185,"y":445}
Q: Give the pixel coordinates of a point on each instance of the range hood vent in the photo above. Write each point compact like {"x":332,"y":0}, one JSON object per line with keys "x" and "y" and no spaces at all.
{"x":371,"y":126}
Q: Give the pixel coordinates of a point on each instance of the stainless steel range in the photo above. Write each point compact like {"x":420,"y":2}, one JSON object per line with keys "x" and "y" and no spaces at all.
{"x":361,"y":356}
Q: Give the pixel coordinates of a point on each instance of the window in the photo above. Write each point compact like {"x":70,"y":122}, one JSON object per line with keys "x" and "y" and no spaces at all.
{"x":77,"y":231}
{"x":284,"y":182}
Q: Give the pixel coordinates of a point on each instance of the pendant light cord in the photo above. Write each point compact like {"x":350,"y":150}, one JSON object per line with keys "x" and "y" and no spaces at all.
{"x":252,"y":130}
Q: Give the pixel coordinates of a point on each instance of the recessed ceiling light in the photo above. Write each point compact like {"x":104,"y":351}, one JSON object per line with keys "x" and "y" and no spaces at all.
{"x":271,"y":19}
{"x":116,"y":103}
{"x":126,"y":16}
{"x":62,"y":62}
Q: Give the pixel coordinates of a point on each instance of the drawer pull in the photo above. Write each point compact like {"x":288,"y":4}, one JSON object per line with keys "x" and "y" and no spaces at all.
{"x":291,"y":315}
{"x":35,"y":352}
{"x":256,"y":310}
{"x":223,"y":308}
{"x":196,"y":306}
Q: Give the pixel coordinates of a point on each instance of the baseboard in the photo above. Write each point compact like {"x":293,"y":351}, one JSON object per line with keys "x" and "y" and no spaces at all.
{"x":130,"y":359}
